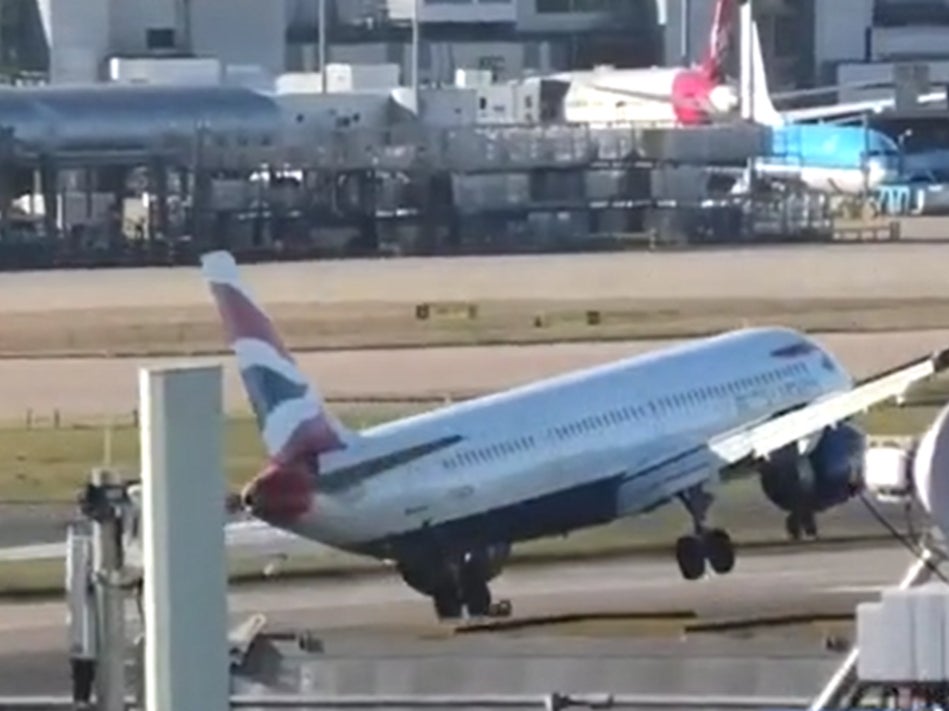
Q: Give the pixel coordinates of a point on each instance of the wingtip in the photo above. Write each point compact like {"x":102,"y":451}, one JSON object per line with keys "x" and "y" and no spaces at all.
{"x":219,"y":266}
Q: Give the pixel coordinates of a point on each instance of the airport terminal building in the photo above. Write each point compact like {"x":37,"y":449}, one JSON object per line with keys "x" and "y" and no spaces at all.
{"x":241,"y":134}
{"x":806,"y":42}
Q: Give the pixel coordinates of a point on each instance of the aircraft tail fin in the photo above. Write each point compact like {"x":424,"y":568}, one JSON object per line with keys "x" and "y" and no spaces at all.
{"x":291,"y":416}
{"x":755,"y":91}
{"x":719,"y":39}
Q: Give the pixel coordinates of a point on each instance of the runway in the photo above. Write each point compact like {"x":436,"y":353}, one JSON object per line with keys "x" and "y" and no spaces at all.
{"x":387,"y":631}
{"x":98,"y":386}
{"x":850,"y":271}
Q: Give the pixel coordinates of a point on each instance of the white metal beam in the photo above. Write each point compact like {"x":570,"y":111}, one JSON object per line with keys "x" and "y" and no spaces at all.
{"x":185,"y":576}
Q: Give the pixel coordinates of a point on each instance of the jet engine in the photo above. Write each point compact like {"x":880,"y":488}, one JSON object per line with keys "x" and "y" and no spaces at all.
{"x":897,"y":471}
{"x":825,"y":475}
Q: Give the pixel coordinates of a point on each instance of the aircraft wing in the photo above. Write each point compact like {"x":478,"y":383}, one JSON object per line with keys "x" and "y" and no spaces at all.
{"x":647,"y":96}
{"x":249,"y":538}
{"x":688,"y":462}
{"x":747,"y":444}
{"x":817,"y":113}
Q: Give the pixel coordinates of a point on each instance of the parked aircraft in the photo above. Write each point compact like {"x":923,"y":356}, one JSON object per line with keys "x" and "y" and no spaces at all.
{"x":444,"y":495}
{"x":828,"y":158}
{"x":657,"y":95}
{"x":701,"y":93}
{"x":825,"y":157}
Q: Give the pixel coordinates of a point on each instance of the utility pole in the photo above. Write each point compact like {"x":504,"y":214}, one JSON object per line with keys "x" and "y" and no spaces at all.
{"x":685,"y":31}
{"x":416,"y":12}
{"x":322,"y":44}
{"x":103,"y":502}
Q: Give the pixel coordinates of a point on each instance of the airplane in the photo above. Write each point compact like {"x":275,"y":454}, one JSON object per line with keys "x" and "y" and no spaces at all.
{"x":702,"y":93}
{"x":828,"y":158}
{"x":684,"y":96}
{"x":825,"y":157}
{"x":443,"y":496}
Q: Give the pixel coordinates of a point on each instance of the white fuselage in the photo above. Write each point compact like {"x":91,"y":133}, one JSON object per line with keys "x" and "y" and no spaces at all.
{"x":542,"y":450}
{"x":828,"y":180}
{"x":589,"y":99}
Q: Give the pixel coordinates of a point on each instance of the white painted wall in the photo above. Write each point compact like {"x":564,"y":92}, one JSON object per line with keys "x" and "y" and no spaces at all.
{"x":839,"y":31}
{"x":129,"y":20}
{"x":240,"y":32}
{"x":440,"y":60}
{"x":907,"y":42}
{"x":78,"y":37}
{"x":455,"y":11}
{"x":882,"y":72}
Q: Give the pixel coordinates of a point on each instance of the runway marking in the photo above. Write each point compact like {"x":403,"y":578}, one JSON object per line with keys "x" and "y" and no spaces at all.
{"x":851,"y":589}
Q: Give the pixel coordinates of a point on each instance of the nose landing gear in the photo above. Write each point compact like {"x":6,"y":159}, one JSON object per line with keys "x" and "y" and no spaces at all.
{"x":705,"y":546}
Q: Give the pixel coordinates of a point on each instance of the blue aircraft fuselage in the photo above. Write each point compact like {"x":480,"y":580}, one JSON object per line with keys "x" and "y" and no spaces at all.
{"x":831,"y":158}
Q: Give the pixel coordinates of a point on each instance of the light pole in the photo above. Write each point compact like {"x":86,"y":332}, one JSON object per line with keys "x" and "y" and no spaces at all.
{"x":322,"y":44}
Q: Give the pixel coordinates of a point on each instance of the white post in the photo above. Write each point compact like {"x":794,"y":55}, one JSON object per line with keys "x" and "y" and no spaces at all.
{"x":746,"y":75}
{"x":110,"y":599}
{"x":322,"y":45}
{"x":416,"y":41}
{"x":185,"y":577}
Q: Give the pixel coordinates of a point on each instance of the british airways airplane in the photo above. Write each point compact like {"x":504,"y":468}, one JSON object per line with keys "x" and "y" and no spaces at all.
{"x":444,"y":495}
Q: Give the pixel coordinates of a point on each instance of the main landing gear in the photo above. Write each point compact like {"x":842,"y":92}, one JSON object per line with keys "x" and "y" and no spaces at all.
{"x":466,"y":593}
{"x":799,"y":524}
{"x":712,"y":546}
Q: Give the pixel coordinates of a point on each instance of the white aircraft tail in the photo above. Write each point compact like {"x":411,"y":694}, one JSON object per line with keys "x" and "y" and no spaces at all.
{"x":755,"y":94}
{"x":291,"y":415}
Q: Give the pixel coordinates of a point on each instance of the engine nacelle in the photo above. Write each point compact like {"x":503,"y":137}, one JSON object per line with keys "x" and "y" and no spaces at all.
{"x":813,"y":481}
{"x":895,"y":471}
{"x":888,"y":471}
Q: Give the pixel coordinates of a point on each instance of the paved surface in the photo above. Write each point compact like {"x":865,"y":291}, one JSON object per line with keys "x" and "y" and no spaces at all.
{"x":109,"y":385}
{"x":775,"y":271}
{"x":379,"y":635}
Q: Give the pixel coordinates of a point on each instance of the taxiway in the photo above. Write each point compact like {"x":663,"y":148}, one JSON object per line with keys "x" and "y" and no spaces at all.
{"x":378,"y":635}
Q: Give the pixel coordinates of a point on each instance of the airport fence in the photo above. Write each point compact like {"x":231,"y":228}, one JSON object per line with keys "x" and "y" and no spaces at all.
{"x":358,"y":406}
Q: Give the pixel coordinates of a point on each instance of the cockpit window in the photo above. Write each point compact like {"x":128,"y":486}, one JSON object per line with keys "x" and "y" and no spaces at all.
{"x":794,"y":350}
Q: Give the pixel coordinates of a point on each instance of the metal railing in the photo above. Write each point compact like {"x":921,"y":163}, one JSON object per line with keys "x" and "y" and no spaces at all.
{"x":550,"y":702}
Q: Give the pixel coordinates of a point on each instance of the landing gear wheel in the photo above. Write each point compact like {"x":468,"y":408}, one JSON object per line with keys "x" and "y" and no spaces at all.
{"x":501,"y":608}
{"x":792,"y":525}
{"x":448,"y":605}
{"x":690,"y":555}
{"x":720,"y":551}
{"x":477,"y":599}
{"x":809,"y":524}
